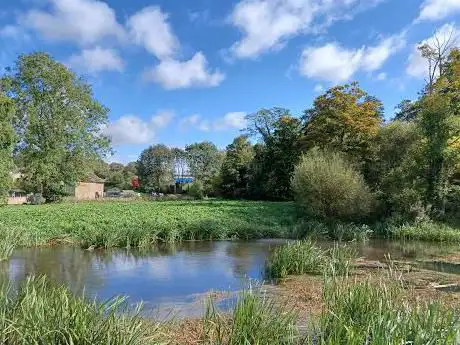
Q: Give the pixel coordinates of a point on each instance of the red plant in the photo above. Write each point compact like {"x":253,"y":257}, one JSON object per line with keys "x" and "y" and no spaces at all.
{"x":135,"y":182}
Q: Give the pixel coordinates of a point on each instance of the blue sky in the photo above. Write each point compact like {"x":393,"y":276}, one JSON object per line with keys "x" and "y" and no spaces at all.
{"x":178,"y":71}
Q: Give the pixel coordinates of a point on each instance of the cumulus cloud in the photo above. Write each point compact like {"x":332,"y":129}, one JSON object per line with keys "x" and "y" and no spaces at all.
{"x":232,"y":120}
{"x":133,"y":130}
{"x":438,"y":9}
{"x":150,"y":28}
{"x":334,"y":63}
{"x":97,"y":60}
{"x":81,"y":21}
{"x":417,"y":66}
{"x":174,"y":74}
{"x":381,"y":76}
{"x":269,"y":24}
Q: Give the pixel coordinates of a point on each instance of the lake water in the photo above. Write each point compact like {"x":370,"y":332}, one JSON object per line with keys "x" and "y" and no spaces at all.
{"x":173,"y":278}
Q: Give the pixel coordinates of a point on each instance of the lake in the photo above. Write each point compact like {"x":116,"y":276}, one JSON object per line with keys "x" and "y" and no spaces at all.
{"x":173,"y":279}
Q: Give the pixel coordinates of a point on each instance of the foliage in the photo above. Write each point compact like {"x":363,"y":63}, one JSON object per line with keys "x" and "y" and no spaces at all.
{"x":236,"y":167}
{"x":370,"y":312}
{"x":155,"y":168}
{"x":304,"y":257}
{"x":58,"y":122}
{"x":7,"y":139}
{"x":274,"y":161}
{"x":425,"y":231}
{"x":255,"y":320}
{"x":326,"y":187}
{"x":41,"y":313}
{"x":204,"y":162}
{"x":263,"y":122}
{"x":345,"y":119}
{"x":143,"y":223}
{"x":196,"y":190}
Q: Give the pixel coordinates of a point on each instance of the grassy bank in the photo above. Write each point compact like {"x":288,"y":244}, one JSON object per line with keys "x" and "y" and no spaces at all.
{"x":124,"y":224}
{"x":370,"y":310}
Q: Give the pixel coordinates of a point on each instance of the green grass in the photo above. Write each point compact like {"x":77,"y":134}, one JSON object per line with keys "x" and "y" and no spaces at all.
{"x":254,"y":320}
{"x":142,"y":223}
{"x":41,"y":313}
{"x":376,"y":313}
{"x":426,"y":231}
{"x":304,"y":257}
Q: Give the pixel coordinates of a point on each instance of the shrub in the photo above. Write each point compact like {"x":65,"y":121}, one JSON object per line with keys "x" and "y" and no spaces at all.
{"x":196,"y":190}
{"x":328,"y":187}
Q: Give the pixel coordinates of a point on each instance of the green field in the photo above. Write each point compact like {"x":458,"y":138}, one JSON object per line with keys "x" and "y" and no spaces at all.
{"x":137,"y":224}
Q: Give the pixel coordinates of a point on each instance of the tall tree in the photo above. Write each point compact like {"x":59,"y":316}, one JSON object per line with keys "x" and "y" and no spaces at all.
{"x":204,"y":162}
{"x":407,"y":110}
{"x":7,"y":140}
{"x":155,"y":168}
{"x":440,"y":124}
{"x":344,"y":119}
{"x":274,"y":161}
{"x":57,"y":120}
{"x":262,"y":123}
{"x":236,"y":167}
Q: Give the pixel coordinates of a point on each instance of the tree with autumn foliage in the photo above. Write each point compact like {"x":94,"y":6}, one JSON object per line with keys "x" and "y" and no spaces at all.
{"x":344,"y":119}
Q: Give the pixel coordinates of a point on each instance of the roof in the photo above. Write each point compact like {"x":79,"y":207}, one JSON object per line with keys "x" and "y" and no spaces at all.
{"x":92,"y":178}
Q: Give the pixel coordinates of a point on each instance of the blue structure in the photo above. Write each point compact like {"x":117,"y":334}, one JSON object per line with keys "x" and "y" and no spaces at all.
{"x":184,"y":180}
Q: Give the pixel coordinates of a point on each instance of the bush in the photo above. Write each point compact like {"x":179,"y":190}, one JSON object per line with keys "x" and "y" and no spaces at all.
{"x":328,"y":187}
{"x":196,"y":190}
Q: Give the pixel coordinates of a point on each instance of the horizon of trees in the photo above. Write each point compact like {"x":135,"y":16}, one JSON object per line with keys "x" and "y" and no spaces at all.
{"x":50,"y":128}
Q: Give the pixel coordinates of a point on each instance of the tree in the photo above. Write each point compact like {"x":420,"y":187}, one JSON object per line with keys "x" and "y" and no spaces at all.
{"x":262,"y":123}
{"x":345,"y":119}
{"x":204,"y":163}
{"x":7,"y":140}
{"x":407,"y":110}
{"x":236,"y":167}
{"x":327,"y":187}
{"x":440,"y":124}
{"x":274,"y":161}
{"x":58,"y":122}
{"x":155,"y":168}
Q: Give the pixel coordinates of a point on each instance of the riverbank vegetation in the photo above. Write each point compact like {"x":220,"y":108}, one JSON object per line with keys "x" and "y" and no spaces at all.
{"x":143,"y":223}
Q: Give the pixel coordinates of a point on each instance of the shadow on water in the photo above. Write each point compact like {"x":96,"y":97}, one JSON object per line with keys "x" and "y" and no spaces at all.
{"x":171,"y":278}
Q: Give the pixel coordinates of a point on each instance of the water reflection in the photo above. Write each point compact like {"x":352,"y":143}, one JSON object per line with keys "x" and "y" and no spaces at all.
{"x":166,"y":276}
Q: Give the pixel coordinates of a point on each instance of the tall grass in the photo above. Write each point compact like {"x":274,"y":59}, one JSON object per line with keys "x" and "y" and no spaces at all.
{"x":134,"y":224}
{"x":40,"y":314}
{"x":376,"y":313}
{"x":425,"y":231}
{"x":304,"y":257}
{"x":254,"y":320}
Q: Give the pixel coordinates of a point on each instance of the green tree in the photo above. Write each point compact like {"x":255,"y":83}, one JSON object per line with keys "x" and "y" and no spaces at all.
{"x":236,"y":167}
{"x":155,"y":168}
{"x":327,"y":187}
{"x":274,"y":161}
{"x":345,"y":119}
{"x":262,"y":123}
{"x":7,"y":140}
{"x":204,"y":163}
{"x":407,"y":110}
{"x":58,"y":122}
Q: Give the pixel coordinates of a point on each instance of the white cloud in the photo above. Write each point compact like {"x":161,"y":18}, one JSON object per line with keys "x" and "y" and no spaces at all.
{"x":14,"y":32}
{"x":132,"y":130}
{"x":330,"y":62}
{"x":150,"y":28}
{"x":173,"y":74}
{"x":269,"y":24}
{"x":438,"y":9}
{"x":81,"y":21}
{"x":417,"y":66}
{"x":318,"y":88}
{"x":162,"y":119}
{"x":233,"y":120}
{"x":97,"y":60}
{"x":334,"y":63}
{"x":381,"y":76}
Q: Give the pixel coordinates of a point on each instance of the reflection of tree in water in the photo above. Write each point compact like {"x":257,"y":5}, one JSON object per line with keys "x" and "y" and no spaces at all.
{"x":247,"y":255}
{"x":70,"y":266}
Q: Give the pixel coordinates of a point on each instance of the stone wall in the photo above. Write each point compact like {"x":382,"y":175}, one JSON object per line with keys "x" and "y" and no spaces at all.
{"x":89,"y":191}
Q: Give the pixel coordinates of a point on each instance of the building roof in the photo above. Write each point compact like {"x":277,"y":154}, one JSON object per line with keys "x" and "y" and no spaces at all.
{"x":93,"y":178}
